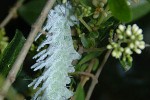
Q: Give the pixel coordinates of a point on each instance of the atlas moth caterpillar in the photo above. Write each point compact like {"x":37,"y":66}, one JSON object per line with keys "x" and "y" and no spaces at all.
{"x":56,"y":59}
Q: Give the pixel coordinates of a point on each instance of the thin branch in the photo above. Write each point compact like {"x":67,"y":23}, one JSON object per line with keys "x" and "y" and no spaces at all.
{"x":35,"y":29}
{"x":87,"y":74}
{"x":85,"y":24}
{"x":94,"y":49}
{"x":147,"y":45}
{"x":101,"y":19}
{"x":93,"y":84}
{"x":12,"y":13}
{"x":84,"y":79}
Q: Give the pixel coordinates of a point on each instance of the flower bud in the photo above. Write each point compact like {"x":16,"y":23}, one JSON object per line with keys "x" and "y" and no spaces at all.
{"x":135,"y":28}
{"x":120,"y":37}
{"x":122,"y":27}
{"x":121,"y":49}
{"x":128,"y":51}
{"x":130,"y":58}
{"x":118,"y":31}
{"x":137,"y":43}
{"x":128,"y":3}
{"x":139,"y":31}
{"x":114,"y":53}
{"x":109,"y":46}
{"x":132,"y":37}
{"x":138,"y":51}
{"x":124,"y":58}
{"x":128,"y":32}
{"x":141,"y":45}
{"x":140,"y":37}
{"x":131,"y":45}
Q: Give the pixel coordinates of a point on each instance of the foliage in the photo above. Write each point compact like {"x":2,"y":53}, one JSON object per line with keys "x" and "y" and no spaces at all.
{"x":10,"y":53}
{"x":120,"y":10}
{"x":3,"y":40}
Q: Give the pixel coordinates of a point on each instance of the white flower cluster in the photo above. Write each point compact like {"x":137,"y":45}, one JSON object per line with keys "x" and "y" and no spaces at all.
{"x":130,"y":39}
{"x":99,"y":4}
{"x":56,"y":59}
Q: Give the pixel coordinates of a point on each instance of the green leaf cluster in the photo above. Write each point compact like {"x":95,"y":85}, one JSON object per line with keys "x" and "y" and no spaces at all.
{"x":10,"y":53}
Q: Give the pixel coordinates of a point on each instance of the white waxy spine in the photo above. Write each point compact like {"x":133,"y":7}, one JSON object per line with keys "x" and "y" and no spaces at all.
{"x":56,"y":59}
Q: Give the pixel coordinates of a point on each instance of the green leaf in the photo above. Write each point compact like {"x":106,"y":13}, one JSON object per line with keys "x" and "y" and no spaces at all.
{"x":3,"y":40}
{"x":94,"y":34}
{"x":30,"y":11}
{"x":86,"y":2}
{"x":120,"y":10}
{"x":84,"y":41}
{"x":96,"y":63}
{"x":140,"y":10}
{"x":79,"y":95}
{"x":88,"y":57}
{"x":10,"y":53}
{"x":126,"y":65}
{"x":83,"y":67}
{"x":148,"y":0}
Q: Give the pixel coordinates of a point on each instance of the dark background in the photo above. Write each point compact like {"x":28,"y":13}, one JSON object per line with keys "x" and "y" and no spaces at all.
{"x":114,"y":83}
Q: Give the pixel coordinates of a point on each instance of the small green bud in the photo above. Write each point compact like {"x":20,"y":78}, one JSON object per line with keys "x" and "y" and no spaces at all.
{"x":118,"y":31}
{"x":140,"y":37}
{"x":114,"y":53}
{"x":105,"y":14}
{"x":139,"y":31}
{"x":104,"y":1}
{"x":121,"y":49}
{"x":141,"y":45}
{"x":109,"y":46}
{"x":128,"y":3}
{"x":128,"y":32}
{"x":124,"y":58}
{"x":132,"y":37}
{"x":122,"y":27}
{"x":137,"y":43}
{"x":131,"y":45}
{"x":120,"y":36}
{"x":89,"y":8}
{"x":95,"y":3}
{"x":101,"y":4}
{"x":130,"y":58}
{"x":135,"y":28}
{"x":115,"y":45}
{"x":138,"y":51}
{"x":128,"y":51}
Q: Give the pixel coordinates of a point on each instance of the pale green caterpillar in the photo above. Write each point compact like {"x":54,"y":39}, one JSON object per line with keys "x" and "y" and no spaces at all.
{"x":57,"y":58}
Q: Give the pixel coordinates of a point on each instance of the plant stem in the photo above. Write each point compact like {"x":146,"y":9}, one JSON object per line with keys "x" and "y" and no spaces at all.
{"x":85,"y":24}
{"x":93,"y":84}
{"x":16,"y":66}
{"x":12,"y":13}
{"x":84,"y":79}
{"x":85,"y":74}
{"x":102,"y":17}
{"x":95,"y":49}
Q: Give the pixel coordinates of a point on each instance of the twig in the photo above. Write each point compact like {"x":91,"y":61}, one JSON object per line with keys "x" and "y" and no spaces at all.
{"x":147,"y":45}
{"x":84,"y":79}
{"x":94,"y":49}
{"x":12,"y":13}
{"x":92,"y":86}
{"x":85,"y":24}
{"x":87,"y":74}
{"x":101,"y":19}
{"x":35,"y":29}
